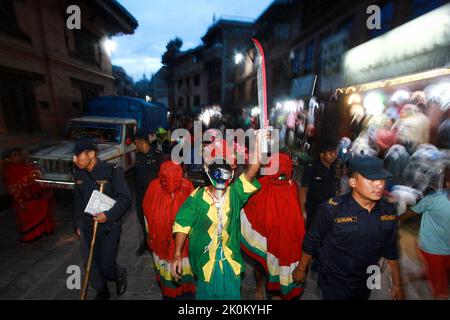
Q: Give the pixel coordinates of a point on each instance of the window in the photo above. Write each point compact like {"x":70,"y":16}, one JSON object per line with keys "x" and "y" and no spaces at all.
{"x":18,"y":103}
{"x":297,"y":61}
{"x":196,"y":100}
{"x":180,"y":83}
{"x":282,"y":31}
{"x":309,"y":57}
{"x":387,"y":20}
{"x":187,"y":81}
{"x":88,"y":91}
{"x":180,"y":102}
{"x":8,"y":20}
{"x":420,"y":7}
{"x":85,"y":46}
{"x":197,"y":80}
{"x":102,"y":132}
{"x":188,"y":102}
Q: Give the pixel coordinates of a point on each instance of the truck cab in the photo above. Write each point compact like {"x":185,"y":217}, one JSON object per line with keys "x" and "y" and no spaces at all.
{"x":115,"y":139}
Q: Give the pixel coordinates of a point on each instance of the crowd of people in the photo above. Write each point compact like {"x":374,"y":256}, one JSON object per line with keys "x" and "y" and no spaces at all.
{"x":337,"y":218}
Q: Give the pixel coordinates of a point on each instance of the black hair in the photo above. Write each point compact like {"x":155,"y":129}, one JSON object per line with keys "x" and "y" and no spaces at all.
{"x":328,"y":145}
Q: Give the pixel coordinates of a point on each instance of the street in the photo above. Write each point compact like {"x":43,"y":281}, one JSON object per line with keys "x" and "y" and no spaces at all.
{"x":37,"y":270}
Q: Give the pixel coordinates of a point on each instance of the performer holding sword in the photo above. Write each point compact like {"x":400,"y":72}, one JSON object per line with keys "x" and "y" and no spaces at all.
{"x":89,"y":174}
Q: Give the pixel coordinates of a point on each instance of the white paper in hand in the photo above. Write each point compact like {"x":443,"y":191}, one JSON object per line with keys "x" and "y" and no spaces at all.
{"x":98,"y":203}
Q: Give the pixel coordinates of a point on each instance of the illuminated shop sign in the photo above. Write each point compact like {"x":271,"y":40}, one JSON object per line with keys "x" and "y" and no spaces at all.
{"x":419,"y":45}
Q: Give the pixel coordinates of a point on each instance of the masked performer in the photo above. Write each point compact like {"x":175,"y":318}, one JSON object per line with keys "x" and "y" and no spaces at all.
{"x":163,"y":199}
{"x":211,"y":218}
{"x":31,"y":202}
{"x":273,"y":229}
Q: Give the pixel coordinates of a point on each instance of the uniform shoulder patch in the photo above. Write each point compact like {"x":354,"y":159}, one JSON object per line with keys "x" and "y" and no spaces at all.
{"x":332,"y":202}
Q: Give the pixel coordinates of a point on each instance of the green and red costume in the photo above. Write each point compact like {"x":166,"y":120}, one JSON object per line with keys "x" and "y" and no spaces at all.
{"x":214,"y":238}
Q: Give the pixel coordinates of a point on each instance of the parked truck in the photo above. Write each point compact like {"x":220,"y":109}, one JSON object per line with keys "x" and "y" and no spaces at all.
{"x":112,"y":122}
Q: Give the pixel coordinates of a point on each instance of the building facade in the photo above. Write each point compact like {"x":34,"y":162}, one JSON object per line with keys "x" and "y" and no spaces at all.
{"x":48,"y":72}
{"x":205,"y":76}
{"x":305,"y":42}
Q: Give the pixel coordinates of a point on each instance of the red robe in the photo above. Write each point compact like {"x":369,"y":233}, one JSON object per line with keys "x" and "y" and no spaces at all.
{"x":273,"y":229}
{"x":31,"y":202}
{"x":163,"y":198}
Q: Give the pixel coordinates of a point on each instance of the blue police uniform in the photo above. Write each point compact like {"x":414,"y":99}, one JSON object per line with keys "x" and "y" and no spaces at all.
{"x":105,"y":253}
{"x":349,"y":239}
{"x":146,"y":169}
{"x":322,"y":184}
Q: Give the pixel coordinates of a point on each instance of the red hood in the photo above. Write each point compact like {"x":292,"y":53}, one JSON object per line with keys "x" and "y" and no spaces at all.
{"x":171,"y":176}
{"x":285,"y":167}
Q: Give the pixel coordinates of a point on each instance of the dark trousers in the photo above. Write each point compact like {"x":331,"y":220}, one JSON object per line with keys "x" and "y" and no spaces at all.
{"x":330,"y":293}
{"x":140,"y":213}
{"x":104,"y":265}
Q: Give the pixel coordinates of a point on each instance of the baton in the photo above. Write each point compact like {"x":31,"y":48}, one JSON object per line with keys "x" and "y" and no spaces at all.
{"x":91,"y":251}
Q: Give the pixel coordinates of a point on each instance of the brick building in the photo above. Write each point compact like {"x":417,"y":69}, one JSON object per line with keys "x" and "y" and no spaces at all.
{"x":205,"y":75}
{"x":48,"y":72}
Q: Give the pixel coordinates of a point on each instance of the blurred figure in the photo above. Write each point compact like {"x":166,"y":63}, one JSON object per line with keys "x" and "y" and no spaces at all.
{"x":163,"y":199}
{"x":31,"y":202}
{"x":434,"y":237}
{"x":273,"y":228}
{"x":413,"y":127}
{"x":319,"y":181}
{"x":146,"y":169}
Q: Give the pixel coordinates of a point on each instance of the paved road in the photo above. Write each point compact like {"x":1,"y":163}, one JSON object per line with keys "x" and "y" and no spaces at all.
{"x":37,"y":270}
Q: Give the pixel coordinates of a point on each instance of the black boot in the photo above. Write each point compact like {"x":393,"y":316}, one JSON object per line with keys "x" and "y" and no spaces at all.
{"x":103,"y":294}
{"x":121,"y":283}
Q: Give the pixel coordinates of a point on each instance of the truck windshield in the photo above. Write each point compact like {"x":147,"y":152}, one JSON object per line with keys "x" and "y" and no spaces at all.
{"x":102,"y":132}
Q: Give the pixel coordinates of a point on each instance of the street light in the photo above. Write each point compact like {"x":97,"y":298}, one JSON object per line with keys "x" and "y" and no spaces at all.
{"x":109,"y":46}
{"x":238,"y":58}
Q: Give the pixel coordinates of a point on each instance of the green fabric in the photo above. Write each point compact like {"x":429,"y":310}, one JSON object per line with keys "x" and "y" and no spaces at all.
{"x":193,"y":213}
{"x":224,"y":284}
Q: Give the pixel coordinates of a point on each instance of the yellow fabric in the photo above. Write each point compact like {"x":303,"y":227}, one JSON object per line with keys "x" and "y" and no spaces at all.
{"x":212,"y":232}
{"x":178,"y":228}
{"x":194,"y":192}
{"x":248,"y":186}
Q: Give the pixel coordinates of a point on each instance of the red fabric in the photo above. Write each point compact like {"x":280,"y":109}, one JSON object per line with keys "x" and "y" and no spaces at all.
{"x":163,"y":198}
{"x":31,"y":202}
{"x":437,"y":270}
{"x":275,"y":213}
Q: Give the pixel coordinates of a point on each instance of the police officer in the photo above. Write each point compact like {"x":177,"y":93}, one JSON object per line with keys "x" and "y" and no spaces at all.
{"x":148,"y":161}
{"x":89,"y":173}
{"x":352,"y":232}
{"x":319,"y":181}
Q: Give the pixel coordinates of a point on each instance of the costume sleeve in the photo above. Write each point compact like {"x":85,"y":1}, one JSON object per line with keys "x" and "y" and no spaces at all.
{"x":244,"y":189}
{"x":320,"y":227}
{"x":122,"y":196}
{"x":187,"y":214}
